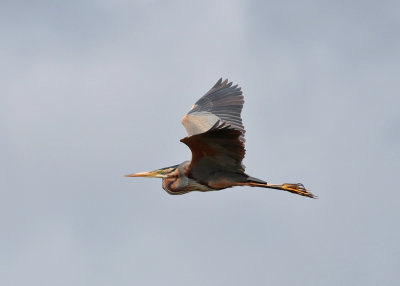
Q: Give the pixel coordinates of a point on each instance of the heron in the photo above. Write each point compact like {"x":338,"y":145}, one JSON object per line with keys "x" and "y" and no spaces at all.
{"x":216,"y":140}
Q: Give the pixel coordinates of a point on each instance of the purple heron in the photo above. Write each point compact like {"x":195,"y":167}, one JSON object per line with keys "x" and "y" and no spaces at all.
{"x":216,"y":139}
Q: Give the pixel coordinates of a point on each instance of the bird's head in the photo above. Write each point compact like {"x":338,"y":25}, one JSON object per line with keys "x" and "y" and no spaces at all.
{"x":160,"y":173}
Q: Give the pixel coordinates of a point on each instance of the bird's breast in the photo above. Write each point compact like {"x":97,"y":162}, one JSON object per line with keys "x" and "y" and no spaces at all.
{"x":179,"y":186}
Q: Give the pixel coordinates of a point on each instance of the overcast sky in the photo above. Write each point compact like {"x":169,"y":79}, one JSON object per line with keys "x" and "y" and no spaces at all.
{"x":91,"y":91}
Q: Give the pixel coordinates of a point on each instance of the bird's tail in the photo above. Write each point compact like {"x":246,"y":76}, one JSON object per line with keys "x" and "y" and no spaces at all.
{"x":298,"y":189}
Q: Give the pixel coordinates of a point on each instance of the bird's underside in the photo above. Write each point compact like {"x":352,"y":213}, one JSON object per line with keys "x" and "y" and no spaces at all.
{"x":216,"y":140}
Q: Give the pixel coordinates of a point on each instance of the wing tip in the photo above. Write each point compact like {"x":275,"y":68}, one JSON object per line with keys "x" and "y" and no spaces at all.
{"x":218,"y":83}
{"x":223,"y":82}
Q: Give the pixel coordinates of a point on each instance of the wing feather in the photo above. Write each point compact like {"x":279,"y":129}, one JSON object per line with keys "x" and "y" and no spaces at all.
{"x":223,"y":103}
{"x":216,"y":132}
{"x":217,"y":150}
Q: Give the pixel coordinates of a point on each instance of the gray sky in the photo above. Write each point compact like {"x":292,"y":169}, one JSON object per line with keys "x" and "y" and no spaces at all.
{"x":94,"y":90}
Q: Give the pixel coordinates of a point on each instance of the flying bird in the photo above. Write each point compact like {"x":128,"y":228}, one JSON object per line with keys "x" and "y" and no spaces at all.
{"x":216,"y":139}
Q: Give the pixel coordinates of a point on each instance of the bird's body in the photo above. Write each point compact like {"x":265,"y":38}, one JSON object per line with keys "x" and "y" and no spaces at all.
{"x":216,"y":139}
{"x":179,"y":182}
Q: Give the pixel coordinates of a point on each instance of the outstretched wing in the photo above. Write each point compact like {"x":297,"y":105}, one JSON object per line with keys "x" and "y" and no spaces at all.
{"x":216,"y":132}
{"x":223,"y":103}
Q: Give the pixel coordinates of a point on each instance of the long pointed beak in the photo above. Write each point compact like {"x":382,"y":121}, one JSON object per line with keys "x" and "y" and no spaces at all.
{"x":152,"y":174}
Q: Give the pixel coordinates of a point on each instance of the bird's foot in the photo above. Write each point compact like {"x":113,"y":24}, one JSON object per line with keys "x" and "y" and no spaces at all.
{"x":298,"y":189}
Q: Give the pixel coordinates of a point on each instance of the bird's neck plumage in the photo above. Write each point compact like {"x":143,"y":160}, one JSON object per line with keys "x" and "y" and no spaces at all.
{"x":178,"y":181}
